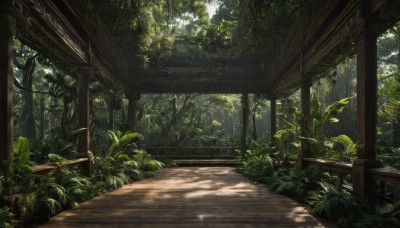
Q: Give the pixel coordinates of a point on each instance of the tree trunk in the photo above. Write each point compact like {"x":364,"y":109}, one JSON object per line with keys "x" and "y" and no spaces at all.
{"x":245,"y":117}
{"x":64,"y":120}
{"x":254,"y":134}
{"x":132,"y":112}
{"x":28,"y":125}
{"x":6,"y":82}
{"x":42,"y":117}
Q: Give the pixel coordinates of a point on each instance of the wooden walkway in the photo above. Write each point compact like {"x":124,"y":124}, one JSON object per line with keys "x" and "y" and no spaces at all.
{"x":188,"y":197}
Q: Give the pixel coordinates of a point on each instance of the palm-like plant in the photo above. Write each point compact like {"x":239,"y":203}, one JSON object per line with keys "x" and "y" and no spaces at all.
{"x":331,"y":203}
{"x":146,"y":163}
{"x":50,"y":195}
{"x":123,"y":162}
{"x":294,"y":183}
{"x":258,"y":164}
{"x":77,"y":187}
{"x":386,"y":216}
{"x":7,"y":218}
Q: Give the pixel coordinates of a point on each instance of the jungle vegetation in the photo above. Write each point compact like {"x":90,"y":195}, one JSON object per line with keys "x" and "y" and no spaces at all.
{"x":167,"y":32}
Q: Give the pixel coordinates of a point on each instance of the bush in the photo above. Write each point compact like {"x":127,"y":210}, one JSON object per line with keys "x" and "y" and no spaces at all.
{"x":7,"y":218}
{"x":333,"y":204}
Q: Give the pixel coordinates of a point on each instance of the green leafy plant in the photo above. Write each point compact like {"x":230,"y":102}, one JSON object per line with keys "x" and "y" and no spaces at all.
{"x":258,"y":164}
{"x":19,"y":172}
{"x":123,"y":162}
{"x":385,"y":216}
{"x":146,"y":163}
{"x":294,"y":183}
{"x":320,"y":144}
{"x":287,"y":143}
{"x":77,"y":188}
{"x":332,"y":204}
{"x":345,"y":147}
{"x":7,"y":218}
{"x":51,"y":196}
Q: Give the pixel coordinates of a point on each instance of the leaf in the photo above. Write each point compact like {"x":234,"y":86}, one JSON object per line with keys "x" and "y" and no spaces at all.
{"x":123,"y":142}
{"x":78,"y":131}
{"x":57,"y":159}
{"x":333,"y":120}
{"x":21,"y":148}
{"x":345,"y":140}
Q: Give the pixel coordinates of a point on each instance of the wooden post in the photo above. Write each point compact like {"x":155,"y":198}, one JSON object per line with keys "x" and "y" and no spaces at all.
{"x":363,"y":186}
{"x":6,"y":84}
{"x":306,"y":127}
{"x":132,"y":111}
{"x":83,"y":120}
{"x":273,"y":122}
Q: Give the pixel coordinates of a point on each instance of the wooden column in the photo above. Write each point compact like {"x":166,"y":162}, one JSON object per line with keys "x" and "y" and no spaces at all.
{"x":132,"y":111}
{"x":363,"y":186}
{"x":84,"y":121}
{"x":273,"y":122}
{"x":306,"y":124}
{"x":6,"y":83}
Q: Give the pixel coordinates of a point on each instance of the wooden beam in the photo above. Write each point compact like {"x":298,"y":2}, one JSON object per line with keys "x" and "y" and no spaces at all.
{"x":363,"y":184}
{"x":227,"y":79}
{"x":366,"y":96}
{"x":6,"y":81}
{"x":306,"y":123}
{"x":83,"y":120}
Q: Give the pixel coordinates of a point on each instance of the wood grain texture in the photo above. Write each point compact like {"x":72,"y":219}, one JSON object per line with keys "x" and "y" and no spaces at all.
{"x":189,"y":197}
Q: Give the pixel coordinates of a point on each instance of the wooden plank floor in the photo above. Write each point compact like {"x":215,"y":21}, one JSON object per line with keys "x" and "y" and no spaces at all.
{"x":188,"y":197}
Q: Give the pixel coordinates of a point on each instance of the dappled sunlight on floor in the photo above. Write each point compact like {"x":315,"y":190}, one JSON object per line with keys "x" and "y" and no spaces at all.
{"x":189,"y":196}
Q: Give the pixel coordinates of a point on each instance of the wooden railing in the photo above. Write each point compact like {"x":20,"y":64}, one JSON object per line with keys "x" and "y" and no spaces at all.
{"x":378,"y":174}
{"x":337,"y":167}
{"x":193,"y":152}
{"x":47,"y":168}
{"x":383,"y":175}
{"x":170,"y":152}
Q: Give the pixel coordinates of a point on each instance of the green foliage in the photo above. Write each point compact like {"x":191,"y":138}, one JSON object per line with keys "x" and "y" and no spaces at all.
{"x":146,"y":162}
{"x":287,"y":143}
{"x":7,"y":218}
{"x":385,"y":216}
{"x":258,"y":164}
{"x":18,"y":172}
{"x":217,"y":36}
{"x":77,"y":187}
{"x":294,"y":183}
{"x":346,"y":149}
{"x":57,"y":159}
{"x":51,"y":195}
{"x":329,"y":115}
{"x":123,"y":163}
{"x":332,"y":204}
{"x":122,"y":146}
{"x":339,"y":148}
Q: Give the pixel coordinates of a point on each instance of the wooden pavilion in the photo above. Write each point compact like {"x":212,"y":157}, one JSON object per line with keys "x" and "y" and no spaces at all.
{"x":66,"y":32}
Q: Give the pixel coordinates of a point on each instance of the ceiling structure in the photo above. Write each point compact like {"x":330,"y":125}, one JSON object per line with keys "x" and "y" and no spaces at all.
{"x":66,"y":32}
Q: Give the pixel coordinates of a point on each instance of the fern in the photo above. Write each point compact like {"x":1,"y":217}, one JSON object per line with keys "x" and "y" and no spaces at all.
{"x":331,"y":203}
{"x":7,"y":218}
